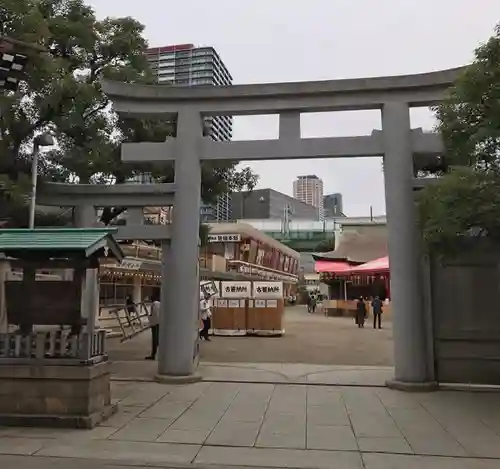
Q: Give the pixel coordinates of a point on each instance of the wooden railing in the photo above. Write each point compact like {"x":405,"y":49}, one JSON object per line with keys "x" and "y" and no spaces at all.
{"x":131,"y":322}
{"x":53,"y":347}
{"x":141,"y":251}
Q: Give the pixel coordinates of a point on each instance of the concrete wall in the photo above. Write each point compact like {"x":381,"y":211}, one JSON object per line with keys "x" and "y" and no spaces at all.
{"x":465,"y":317}
{"x":307,"y":262}
{"x":269,"y":204}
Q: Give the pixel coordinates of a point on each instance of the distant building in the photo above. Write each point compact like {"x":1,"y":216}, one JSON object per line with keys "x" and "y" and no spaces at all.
{"x":269,"y":204}
{"x":187,"y":65}
{"x":221,"y":211}
{"x":309,"y":189}
{"x":333,"y":206}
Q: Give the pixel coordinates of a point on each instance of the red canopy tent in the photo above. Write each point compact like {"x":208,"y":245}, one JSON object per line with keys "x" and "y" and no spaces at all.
{"x":333,"y":267}
{"x":376,"y":266}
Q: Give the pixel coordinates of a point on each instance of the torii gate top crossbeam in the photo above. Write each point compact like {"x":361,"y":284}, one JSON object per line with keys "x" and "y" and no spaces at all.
{"x":271,"y":98}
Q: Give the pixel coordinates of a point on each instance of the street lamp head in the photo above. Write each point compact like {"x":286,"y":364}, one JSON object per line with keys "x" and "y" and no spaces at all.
{"x":44,"y":140}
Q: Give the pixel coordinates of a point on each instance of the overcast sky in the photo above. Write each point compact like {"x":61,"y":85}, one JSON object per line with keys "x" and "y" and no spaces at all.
{"x":295,"y":40}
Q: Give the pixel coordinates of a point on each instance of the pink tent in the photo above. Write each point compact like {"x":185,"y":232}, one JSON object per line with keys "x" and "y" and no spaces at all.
{"x":334,"y":267}
{"x":373,"y":267}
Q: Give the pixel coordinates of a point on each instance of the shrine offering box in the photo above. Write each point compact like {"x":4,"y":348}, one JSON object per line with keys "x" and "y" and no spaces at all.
{"x":230,"y":309}
{"x":266,"y":309}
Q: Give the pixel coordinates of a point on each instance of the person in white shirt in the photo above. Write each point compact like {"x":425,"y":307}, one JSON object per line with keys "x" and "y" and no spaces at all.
{"x":206,"y":315}
{"x":154,"y":323}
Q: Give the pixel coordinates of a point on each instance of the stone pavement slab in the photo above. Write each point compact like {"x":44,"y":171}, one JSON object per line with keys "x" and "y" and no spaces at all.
{"x":273,"y":373}
{"x":279,"y":425}
{"x":394,"y":461}
{"x":276,"y":458}
{"x":24,"y":462}
{"x":123,"y":451}
{"x":289,"y":458}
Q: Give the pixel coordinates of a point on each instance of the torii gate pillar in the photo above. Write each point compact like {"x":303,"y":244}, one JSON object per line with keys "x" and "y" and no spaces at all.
{"x":178,"y":349}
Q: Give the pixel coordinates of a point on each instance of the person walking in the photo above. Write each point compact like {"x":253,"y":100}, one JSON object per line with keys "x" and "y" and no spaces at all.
{"x":377,"y":307}
{"x":206,"y":316}
{"x":154,"y":323}
{"x":314,"y":303}
{"x":361,"y":312}
{"x":309,"y":301}
{"x":129,"y":303}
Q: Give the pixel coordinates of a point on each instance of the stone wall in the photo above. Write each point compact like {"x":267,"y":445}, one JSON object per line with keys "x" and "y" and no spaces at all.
{"x":465,"y":291}
{"x":47,"y":395}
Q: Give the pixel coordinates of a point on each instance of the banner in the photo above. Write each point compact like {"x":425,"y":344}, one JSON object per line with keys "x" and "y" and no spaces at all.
{"x":236,"y":289}
{"x":267,"y":290}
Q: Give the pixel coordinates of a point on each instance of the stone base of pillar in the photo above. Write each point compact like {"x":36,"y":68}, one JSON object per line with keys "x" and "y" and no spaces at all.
{"x":55,"y":395}
{"x":426,"y":386}
{"x":172,"y":379}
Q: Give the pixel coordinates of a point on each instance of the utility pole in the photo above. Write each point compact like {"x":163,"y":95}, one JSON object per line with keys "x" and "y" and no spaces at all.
{"x":287,"y":212}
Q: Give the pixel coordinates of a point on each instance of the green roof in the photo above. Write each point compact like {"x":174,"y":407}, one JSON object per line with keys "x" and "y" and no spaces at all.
{"x":58,"y":240}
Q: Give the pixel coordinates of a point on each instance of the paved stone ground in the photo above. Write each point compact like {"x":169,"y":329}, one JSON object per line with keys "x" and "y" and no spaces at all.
{"x":267,"y":425}
{"x":273,"y":373}
{"x":313,"y":339}
{"x":279,"y":412}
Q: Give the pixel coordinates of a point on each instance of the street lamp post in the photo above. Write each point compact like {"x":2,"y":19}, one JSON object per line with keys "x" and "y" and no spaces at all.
{"x":42,"y":140}
{"x":14,"y":56}
{"x":287,"y":213}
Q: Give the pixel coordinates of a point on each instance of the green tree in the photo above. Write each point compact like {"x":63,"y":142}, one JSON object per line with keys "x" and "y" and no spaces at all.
{"x":462,"y":204}
{"x":465,"y":201}
{"x":61,"y":93}
{"x":203,"y":234}
{"x":469,"y":117}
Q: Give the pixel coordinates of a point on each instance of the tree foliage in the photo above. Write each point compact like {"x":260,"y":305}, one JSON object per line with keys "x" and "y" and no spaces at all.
{"x":204,"y":232}
{"x":469,"y":118}
{"x":61,"y":93}
{"x":463,"y":205}
{"x":465,"y":202}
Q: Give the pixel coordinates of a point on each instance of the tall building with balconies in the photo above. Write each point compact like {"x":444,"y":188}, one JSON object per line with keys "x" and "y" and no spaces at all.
{"x":187,"y":65}
{"x":309,"y":189}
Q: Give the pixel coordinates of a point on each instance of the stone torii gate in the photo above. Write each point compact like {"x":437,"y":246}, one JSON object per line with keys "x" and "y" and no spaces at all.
{"x":396,"y":143}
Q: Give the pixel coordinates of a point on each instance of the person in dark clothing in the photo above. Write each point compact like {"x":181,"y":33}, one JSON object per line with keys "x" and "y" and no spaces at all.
{"x":129,"y":303}
{"x":377,"y":307}
{"x":314,"y":302}
{"x":154,"y":323}
{"x":361,"y":312}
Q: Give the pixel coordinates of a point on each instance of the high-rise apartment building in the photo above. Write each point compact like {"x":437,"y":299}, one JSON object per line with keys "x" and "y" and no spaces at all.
{"x":309,"y":189}
{"x":187,"y":65}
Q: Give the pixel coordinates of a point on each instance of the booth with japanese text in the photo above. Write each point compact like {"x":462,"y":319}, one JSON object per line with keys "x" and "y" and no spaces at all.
{"x":266,"y":309}
{"x":229,"y":315}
